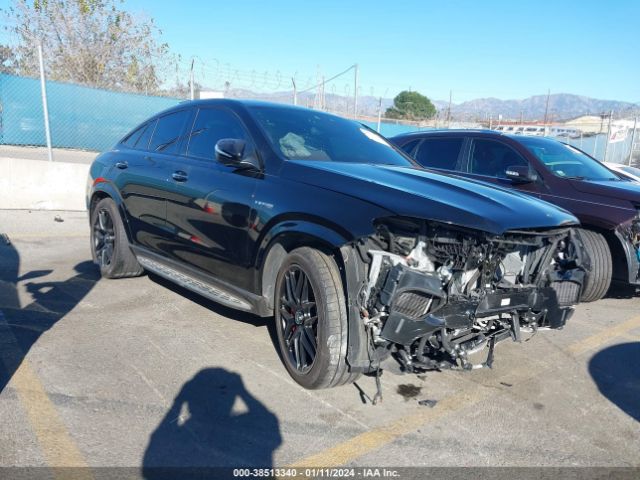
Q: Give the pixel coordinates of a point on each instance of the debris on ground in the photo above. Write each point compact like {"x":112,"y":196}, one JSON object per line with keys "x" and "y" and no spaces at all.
{"x":58,"y":218}
{"x":427,"y":403}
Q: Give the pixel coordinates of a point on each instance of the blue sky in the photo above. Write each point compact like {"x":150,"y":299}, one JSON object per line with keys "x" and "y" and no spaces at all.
{"x":503,"y":49}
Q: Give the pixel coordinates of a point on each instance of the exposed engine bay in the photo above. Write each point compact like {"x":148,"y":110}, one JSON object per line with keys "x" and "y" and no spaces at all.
{"x":631,"y":234}
{"x":434,"y":294}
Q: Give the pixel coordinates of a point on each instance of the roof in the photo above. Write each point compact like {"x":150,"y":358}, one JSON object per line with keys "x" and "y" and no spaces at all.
{"x":421,"y":133}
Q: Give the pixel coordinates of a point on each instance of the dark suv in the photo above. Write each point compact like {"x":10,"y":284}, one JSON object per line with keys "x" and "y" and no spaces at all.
{"x":363,"y":257}
{"x":605,"y":203}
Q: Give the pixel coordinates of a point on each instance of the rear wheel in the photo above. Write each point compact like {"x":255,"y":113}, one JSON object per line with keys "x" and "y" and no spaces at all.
{"x":311,"y":320}
{"x":109,"y":245}
{"x":598,"y":278}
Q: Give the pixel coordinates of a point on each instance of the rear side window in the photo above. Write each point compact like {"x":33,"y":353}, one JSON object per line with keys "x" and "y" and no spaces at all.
{"x":439,"y":153}
{"x":211,"y":125}
{"x":492,"y":159}
{"x":143,"y":142}
{"x":168,"y":132}
{"x":132,"y":138}
{"x":408,"y":147}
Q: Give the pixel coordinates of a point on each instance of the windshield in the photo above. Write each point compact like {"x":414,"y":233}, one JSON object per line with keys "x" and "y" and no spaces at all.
{"x":566,"y":161}
{"x":631,"y":170}
{"x":300,"y":134}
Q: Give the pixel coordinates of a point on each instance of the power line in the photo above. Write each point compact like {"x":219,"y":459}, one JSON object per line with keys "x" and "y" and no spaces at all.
{"x":328,"y":80}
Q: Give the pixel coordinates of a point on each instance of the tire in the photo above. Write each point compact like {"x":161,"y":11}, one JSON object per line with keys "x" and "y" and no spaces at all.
{"x":324,"y":290}
{"x":109,"y":244}
{"x":598,"y":278}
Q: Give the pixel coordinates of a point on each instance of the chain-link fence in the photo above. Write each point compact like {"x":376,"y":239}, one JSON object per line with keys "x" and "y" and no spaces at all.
{"x":79,"y":117}
{"x":95,"y":119}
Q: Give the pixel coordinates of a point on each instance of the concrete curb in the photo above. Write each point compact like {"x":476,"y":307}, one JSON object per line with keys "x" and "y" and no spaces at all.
{"x":42,"y":185}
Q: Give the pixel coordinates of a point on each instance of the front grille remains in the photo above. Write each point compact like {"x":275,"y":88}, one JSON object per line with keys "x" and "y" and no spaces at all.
{"x":568,"y":292}
{"x":413,"y":304}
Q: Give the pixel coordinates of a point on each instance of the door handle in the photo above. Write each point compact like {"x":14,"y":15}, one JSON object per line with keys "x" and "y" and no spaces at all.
{"x":122,"y":165}
{"x":179,"y":176}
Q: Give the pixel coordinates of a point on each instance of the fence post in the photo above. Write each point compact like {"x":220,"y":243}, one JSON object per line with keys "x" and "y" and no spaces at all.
{"x":606,"y":145}
{"x":633,"y":137}
{"x":45,"y":109}
{"x":191,"y":89}
{"x":355,"y":92}
{"x":295,"y":91}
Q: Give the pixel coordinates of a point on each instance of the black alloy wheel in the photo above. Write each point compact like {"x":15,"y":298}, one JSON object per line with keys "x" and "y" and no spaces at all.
{"x":298,"y":319}
{"x":103,"y":237}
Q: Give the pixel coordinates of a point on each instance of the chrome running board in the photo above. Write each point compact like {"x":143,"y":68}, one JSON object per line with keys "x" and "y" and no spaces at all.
{"x":198,"y":286}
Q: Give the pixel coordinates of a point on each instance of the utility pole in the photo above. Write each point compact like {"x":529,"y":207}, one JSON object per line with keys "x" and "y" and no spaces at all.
{"x":449,"y":110}
{"x":355,"y":92}
{"x":45,"y":109}
{"x":380,"y":116}
{"x":295,"y":91}
{"x":546,"y":108}
{"x":191,"y":80}
{"x":633,"y":138}
{"x":521,"y":116}
{"x":606,"y":143}
{"x":316,"y":99}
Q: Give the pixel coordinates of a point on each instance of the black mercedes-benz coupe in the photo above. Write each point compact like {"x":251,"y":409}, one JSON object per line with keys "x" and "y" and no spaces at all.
{"x":366,"y":260}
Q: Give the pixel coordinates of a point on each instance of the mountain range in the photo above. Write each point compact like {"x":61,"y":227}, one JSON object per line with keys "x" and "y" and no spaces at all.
{"x":562,"y":106}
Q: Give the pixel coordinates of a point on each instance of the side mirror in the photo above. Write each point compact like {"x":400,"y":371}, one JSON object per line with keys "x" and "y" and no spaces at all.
{"x":231,"y":151}
{"x":520,"y":174}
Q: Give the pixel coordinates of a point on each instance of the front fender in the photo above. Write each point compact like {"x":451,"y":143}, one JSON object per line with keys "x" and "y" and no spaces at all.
{"x":284,"y":237}
{"x":330,"y":234}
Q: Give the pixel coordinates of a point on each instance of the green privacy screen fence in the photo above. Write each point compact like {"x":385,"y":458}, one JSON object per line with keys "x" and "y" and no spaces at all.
{"x":79,"y":117}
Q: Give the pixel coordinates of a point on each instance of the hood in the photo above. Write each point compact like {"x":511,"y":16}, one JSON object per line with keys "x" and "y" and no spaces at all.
{"x":620,"y":190}
{"x":419,"y":193}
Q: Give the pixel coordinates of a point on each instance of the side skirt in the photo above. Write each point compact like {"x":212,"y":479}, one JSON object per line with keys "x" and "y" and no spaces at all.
{"x":202,"y":283}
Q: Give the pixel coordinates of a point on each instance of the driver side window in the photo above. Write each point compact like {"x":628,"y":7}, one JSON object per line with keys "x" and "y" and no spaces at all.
{"x":492,"y":159}
{"x":211,"y":125}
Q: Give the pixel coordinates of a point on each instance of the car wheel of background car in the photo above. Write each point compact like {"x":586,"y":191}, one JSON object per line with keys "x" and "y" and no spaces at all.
{"x":311,"y":319}
{"x":109,"y":246}
{"x":598,"y":278}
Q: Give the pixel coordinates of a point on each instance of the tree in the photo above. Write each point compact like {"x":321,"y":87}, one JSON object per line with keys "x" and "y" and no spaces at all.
{"x":7,"y":59}
{"x":91,"y":42}
{"x":411,"y":106}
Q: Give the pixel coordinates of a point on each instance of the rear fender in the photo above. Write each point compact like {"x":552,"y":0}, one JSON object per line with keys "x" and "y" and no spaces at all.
{"x":104,"y":188}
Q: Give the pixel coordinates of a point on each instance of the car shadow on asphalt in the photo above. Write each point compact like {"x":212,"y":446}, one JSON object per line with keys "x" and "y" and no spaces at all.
{"x":237,"y":315}
{"x":214,"y":425}
{"x":620,"y":291}
{"x":22,"y":325}
{"x":615,"y":372}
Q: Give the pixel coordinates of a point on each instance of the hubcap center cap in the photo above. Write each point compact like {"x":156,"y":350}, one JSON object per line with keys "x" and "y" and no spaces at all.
{"x":299,"y":317}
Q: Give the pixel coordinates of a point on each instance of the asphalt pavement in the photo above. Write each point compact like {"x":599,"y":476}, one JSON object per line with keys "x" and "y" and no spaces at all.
{"x":140,"y":373}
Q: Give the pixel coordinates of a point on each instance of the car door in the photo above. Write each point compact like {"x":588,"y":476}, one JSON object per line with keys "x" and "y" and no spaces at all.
{"x":210,"y":205}
{"x":141,"y":182}
{"x":488,"y":160}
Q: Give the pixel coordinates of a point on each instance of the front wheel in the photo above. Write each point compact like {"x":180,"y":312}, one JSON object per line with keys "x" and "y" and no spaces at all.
{"x":311,"y":319}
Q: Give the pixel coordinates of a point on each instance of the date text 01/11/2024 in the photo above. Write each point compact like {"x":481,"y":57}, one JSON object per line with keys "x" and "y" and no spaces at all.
{"x":316,"y":472}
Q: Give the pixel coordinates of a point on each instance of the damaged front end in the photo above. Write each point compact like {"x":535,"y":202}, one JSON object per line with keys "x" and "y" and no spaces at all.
{"x":431,"y":294}
{"x":629,"y":236}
